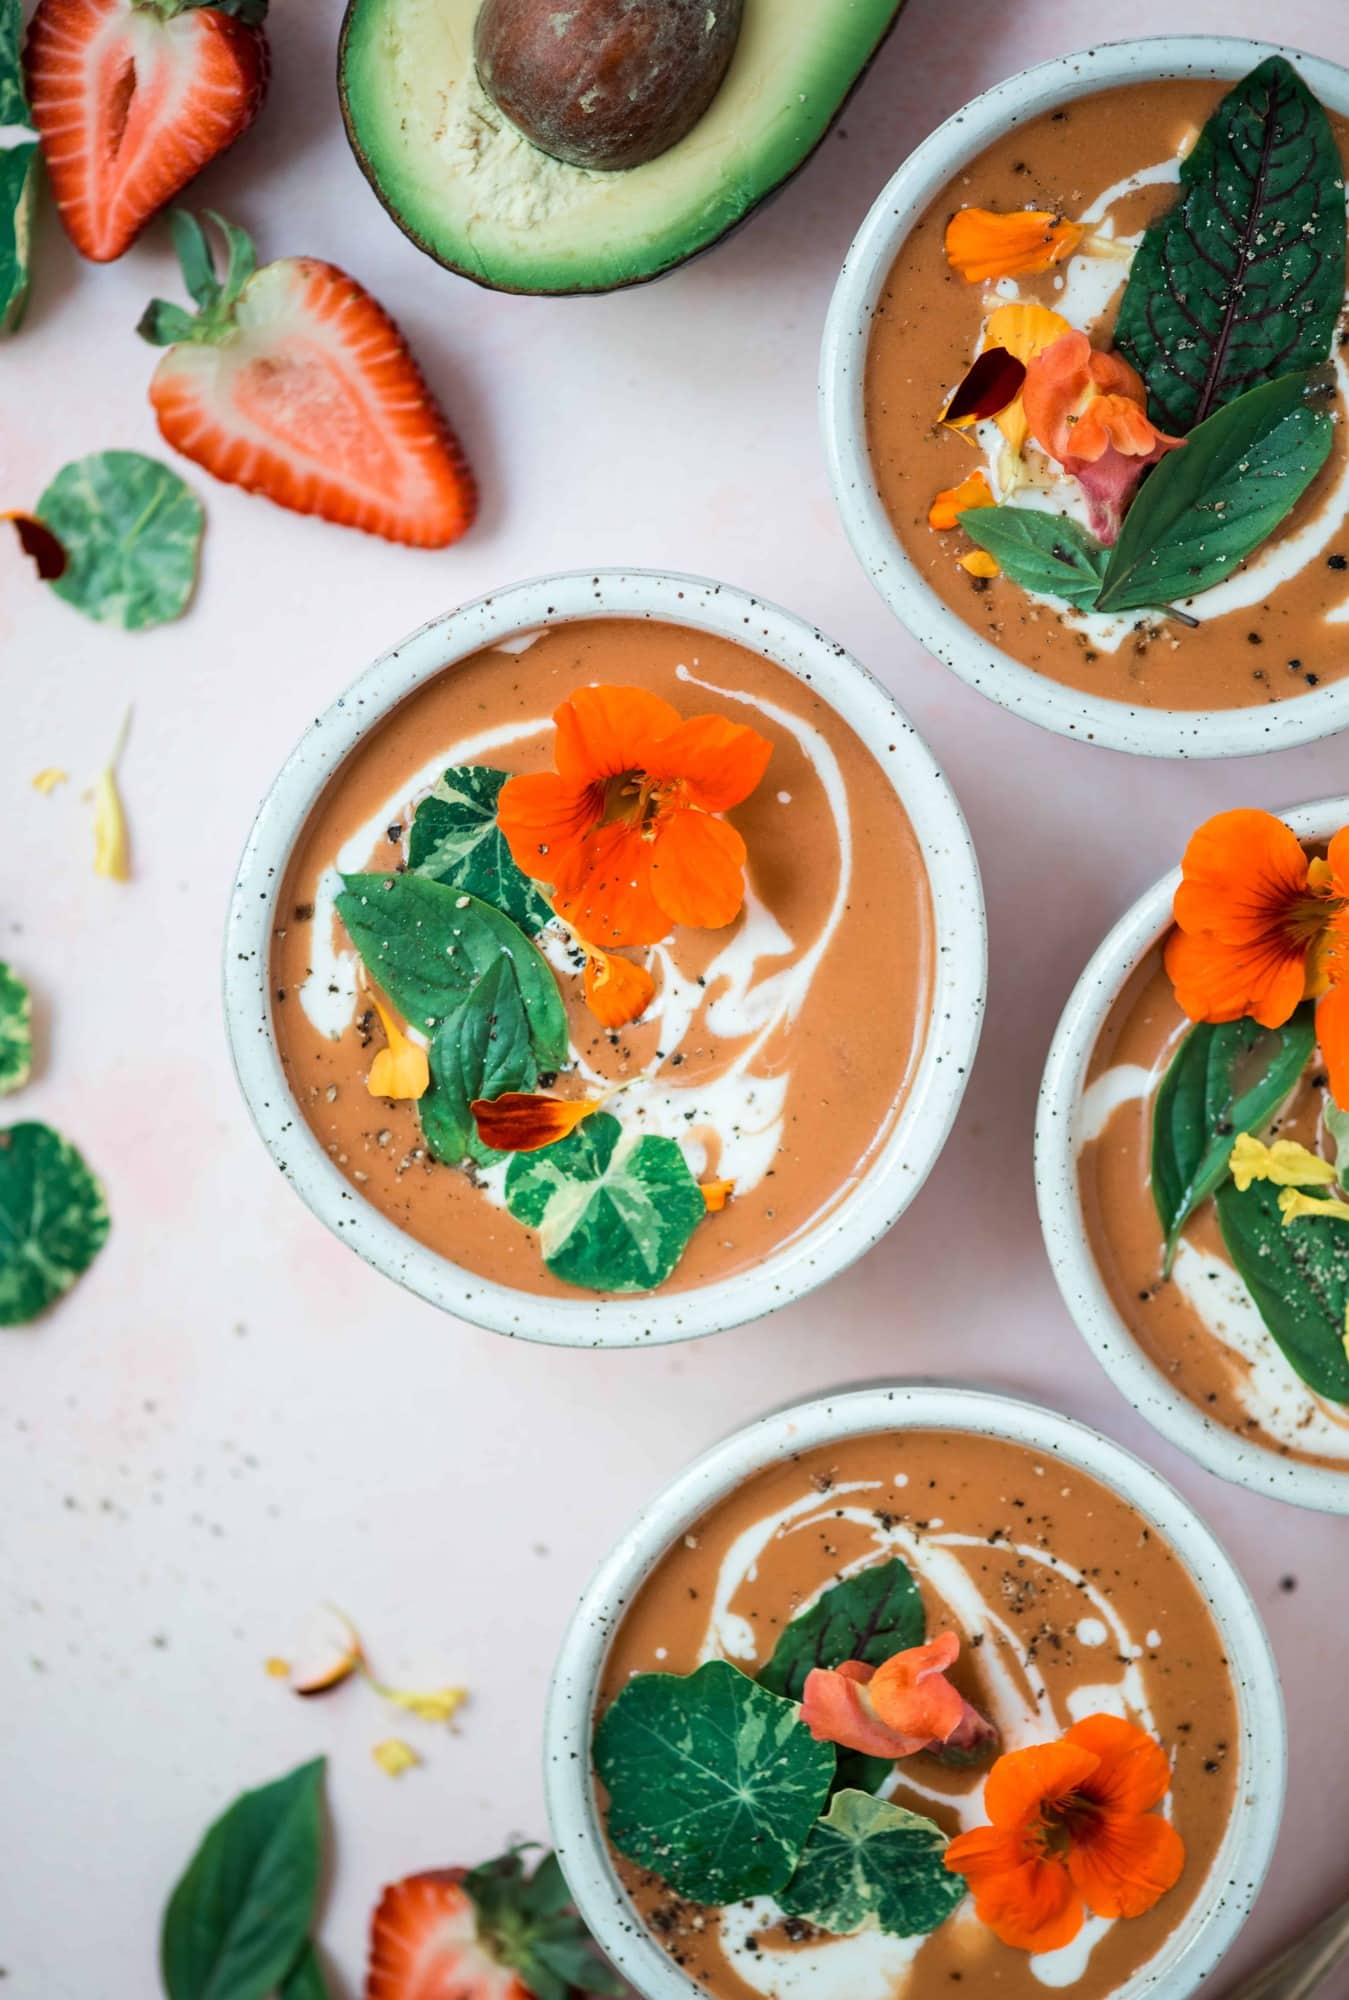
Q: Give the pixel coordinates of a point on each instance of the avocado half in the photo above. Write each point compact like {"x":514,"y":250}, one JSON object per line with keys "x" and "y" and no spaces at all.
{"x":466,"y":187}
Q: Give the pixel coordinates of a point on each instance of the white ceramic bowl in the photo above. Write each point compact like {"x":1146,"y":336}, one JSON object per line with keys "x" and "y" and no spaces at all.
{"x":959,"y":974}
{"x":1239,"y":1868}
{"x":1150,"y":732}
{"x":1085,"y":1293}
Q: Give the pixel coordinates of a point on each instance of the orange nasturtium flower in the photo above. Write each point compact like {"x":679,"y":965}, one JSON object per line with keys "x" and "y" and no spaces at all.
{"x":627,"y":831}
{"x":1261,"y":926}
{"x":983,"y":245}
{"x":1088,"y":410}
{"x":1072,"y":1830}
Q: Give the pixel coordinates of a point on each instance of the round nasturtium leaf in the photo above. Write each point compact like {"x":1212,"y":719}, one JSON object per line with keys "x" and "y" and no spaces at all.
{"x":16,"y":1031}
{"x":131,"y":530}
{"x":53,"y":1220}
{"x":872,"y":1863}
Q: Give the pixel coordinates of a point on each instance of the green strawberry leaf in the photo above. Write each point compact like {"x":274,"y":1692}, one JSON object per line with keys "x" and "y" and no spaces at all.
{"x":1243,"y":280}
{"x":238,"y":1921}
{"x":426,"y":946}
{"x":714,"y":1783}
{"x":1222,"y":1080}
{"x":455,"y":839}
{"x":1046,"y":553}
{"x":614,"y":1210}
{"x":868,"y":1617}
{"x":529,"y":1926}
{"x":871,"y":1864}
{"x":16,"y":1031}
{"x":53,"y":1220}
{"x":480,"y":1049}
{"x":1298,"y":1275}
{"x":1209,"y":505}
{"x":305,"y":1980}
{"x":132,"y":533}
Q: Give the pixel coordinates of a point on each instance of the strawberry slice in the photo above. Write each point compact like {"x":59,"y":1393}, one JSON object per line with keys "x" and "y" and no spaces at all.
{"x":131,"y":98}
{"x":493,"y":1934}
{"x":292,"y":382}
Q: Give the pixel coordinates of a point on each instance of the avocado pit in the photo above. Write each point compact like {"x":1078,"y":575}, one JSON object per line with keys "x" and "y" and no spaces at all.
{"x":605,"y":84}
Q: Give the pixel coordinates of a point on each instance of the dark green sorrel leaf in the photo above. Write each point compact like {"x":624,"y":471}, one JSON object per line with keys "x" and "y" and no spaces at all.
{"x":1221,"y":1081}
{"x":1298,"y":1275}
{"x":713,"y":1783}
{"x":1046,"y":553}
{"x":480,"y":1049}
{"x":1243,"y":280}
{"x":131,"y":531}
{"x":53,"y":1220}
{"x":455,"y":839}
{"x":614,"y":1210}
{"x":238,"y":1921}
{"x":427,"y":946}
{"x":305,"y":1980}
{"x":18,"y":172}
{"x":16,"y":1031}
{"x":870,"y":1863}
{"x":1207,"y":506}
{"x":867,"y":1617}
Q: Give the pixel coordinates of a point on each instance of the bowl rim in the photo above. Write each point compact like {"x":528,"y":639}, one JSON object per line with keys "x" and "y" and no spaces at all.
{"x":1068,"y":711}
{"x":1063,"y":1225}
{"x":569,"y":1784}
{"x":959,"y":959}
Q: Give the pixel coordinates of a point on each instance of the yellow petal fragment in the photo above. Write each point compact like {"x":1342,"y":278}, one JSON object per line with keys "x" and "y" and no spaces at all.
{"x":1285,"y":1164}
{"x":1025,"y":331}
{"x":112,"y":843}
{"x":47,"y":779}
{"x":1293,"y":1203}
{"x":277,"y":1668}
{"x":436,"y":1705}
{"x":980,"y":563}
{"x":716,"y":1194}
{"x":401,"y":1069}
{"x":394,"y":1757}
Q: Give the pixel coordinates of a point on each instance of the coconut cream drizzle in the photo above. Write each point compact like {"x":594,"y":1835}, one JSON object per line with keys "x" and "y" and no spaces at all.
{"x":870,"y":1966}
{"x":754,"y":988}
{"x":1085,"y":287}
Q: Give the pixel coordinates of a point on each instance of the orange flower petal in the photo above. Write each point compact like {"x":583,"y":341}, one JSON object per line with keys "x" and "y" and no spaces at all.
{"x":608,"y":895}
{"x":604,"y":731}
{"x":1029,"y":1903}
{"x":1337,"y":861}
{"x":697,"y":869}
{"x":835,"y":1709}
{"x":1123,"y":1863}
{"x":1133,"y":1774}
{"x":1247,"y":920}
{"x":1332,"y":1032}
{"x":1058,"y":383}
{"x":980,"y":563}
{"x":543,"y":818}
{"x":982,"y":245}
{"x":953,"y":501}
{"x":911,"y":1694}
{"x":616,"y":990}
{"x":402,"y":1068}
{"x":716,"y":1194}
{"x":1022,"y":1780}
{"x":522,"y":1121}
{"x":1218,"y":982}
{"x":720,"y":762}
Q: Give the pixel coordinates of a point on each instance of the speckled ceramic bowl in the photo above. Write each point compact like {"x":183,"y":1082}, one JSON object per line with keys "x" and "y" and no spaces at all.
{"x":960,"y":961}
{"x":1198,"y":1944}
{"x":1151,"y":732}
{"x":1057,"y":1145}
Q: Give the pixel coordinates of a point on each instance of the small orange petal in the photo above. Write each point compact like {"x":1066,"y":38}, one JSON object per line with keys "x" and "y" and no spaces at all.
{"x":401,"y":1069}
{"x":697,"y":869}
{"x":616,"y":990}
{"x":982,"y":245}
{"x":716,"y":1194}
{"x":522,"y":1121}
{"x":953,"y":501}
{"x":911,"y":1694}
{"x":980,"y":563}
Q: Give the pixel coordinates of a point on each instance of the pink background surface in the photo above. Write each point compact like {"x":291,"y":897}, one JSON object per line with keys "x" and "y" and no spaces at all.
{"x":232,"y":1419}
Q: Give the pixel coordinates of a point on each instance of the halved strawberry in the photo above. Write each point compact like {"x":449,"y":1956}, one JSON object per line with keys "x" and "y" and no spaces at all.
{"x":292,"y":382}
{"x":131,"y":98}
{"x":494,"y":1933}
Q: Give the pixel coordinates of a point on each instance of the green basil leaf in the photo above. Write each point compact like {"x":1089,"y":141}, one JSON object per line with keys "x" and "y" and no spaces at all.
{"x":614,"y":1211}
{"x":1337,"y":1124}
{"x":1242,"y":281}
{"x":305,"y":1980}
{"x":18,"y":171}
{"x":1298,"y":1275}
{"x":1046,"y":553}
{"x":868,"y":1863}
{"x":53,"y":1220}
{"x":480,"y":1049}
{"x":714,"y":1783}
{"x":427,"y":945}
{"x":868,"y":1617}
{"x":238,"y":1920}
{"x":455,"y":839}
{"x":16,"y":1031}
{"x":1222,"y":1080}
{"x":131,"y":531}
{"x":1206,"y":507}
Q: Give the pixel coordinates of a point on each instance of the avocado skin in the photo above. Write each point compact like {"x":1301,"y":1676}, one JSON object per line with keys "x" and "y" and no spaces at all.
{"x":627,"y":282}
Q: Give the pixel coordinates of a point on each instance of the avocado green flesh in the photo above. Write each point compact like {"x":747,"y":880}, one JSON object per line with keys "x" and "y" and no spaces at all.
{"x":476,"y":195}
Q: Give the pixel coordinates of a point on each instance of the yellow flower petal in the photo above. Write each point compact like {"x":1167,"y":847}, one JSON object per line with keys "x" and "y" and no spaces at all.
{"x":1285,"y":1164}
{"x":394,"y":1756}
{"x":980,"y":563}
{"x":46,"y":780}
{"x":1293,"y":1203}
{"x":1025,"y":331}
{"x":112,"y":845}
{"x":436,"y":1705}
{"x":279,"y":1669}
{"x":401,"y":1069}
